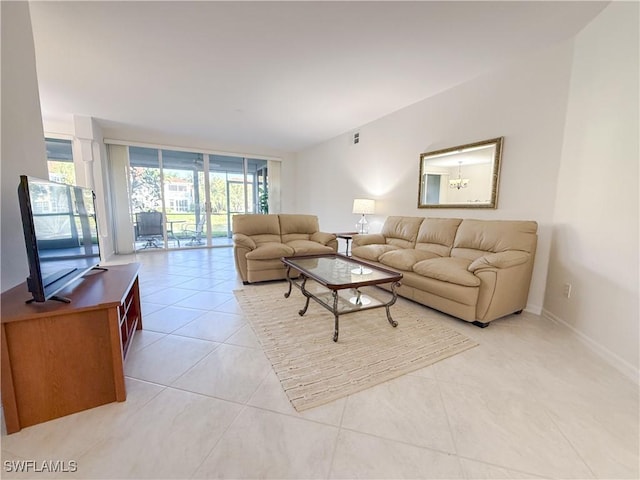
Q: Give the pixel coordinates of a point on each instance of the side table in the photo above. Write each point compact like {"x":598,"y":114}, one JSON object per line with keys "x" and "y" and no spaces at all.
{"x":347,"y":236}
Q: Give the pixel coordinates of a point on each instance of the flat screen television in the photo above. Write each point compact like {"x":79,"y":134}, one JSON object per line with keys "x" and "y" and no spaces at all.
{"x":60,"y":233}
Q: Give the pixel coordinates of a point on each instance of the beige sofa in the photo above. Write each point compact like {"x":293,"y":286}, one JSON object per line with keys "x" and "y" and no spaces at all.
{"x":260,"y":241}
{"x":476,"y":270}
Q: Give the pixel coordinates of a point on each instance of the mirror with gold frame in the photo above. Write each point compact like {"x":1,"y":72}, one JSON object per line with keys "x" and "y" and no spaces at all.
{"x":465,"y":176}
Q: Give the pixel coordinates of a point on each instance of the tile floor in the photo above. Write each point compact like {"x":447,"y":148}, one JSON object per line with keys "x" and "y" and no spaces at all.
{"x":530,"y":401}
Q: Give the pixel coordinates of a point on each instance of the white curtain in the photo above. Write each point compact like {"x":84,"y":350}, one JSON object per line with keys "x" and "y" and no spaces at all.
{"x":119,"y":178}
{"x":273,"y":168}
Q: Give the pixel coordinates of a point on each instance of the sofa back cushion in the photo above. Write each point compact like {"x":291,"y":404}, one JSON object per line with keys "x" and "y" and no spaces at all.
{"x":297,"y":227}
{"x":401,"y":231}
{"x":437,"y":235}
{"x":261,"y":228}
{"x":474,"y":238}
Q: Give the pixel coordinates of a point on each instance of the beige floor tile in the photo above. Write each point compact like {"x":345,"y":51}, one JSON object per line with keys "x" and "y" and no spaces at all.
{"x":168,"y":438}
{"x":426,"y":372}
{"x":67,"y":438}
{"x":169,"y":318}
{"x":364,"y":456}
{"x":484,"y":471}
{"x":223,"y":274}
{"x":168,"y":296}
{"x":612,"y":452}
{"x":199,"y":283}
{"x":205,"y":300}
{"x":267,"y":445}
{"x":155,"y":280}
{"x":167,"y":359}
{"x":230,"y":306}
{"x":511,"y":431}
{"x":214,"y":326}
{"x":229,"y":372}
{"x":481,"y":367}
{"x":229,"y":285}
{"x":407,"y":409}
{"x":148,"y":307}
{"x":143,"y":338}
{"x":244,"y":337}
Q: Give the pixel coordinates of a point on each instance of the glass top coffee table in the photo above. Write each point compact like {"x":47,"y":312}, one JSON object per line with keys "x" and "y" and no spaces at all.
{"x":342,"y":277}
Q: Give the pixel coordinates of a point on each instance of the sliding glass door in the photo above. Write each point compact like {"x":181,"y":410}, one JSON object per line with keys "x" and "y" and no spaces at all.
{"x":145,"y":198}
{"x":233,"y":189}
{"x":195,"y":196}
{"x":183,"y":207}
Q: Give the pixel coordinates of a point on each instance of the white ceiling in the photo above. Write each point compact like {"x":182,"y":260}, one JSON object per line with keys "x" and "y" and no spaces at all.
{"x":277,"y":75}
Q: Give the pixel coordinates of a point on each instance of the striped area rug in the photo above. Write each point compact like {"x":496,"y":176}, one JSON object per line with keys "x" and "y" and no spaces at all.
{"x":313,"y":370}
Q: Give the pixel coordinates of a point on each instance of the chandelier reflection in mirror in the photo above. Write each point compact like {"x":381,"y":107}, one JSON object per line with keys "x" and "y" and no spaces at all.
{"x":459,"y":182}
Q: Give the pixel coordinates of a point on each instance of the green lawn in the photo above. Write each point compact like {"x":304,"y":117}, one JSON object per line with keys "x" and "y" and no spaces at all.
{"x":184,"y":224}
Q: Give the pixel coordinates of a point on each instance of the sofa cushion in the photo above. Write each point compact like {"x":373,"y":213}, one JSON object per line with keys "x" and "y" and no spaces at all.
{"x":474,"y":237}
{"x":360,"y":240}
{"x":428,"y":287}
{"x":405,"y":258}
{"x":297,"y":227}
{"x":401,"y":231}
{"x":265,"y":238}
{"x":270,"y":250}
{"x":240,"y":240}
{"x":323,"y":237}
{"x":308,"y":247}
{"x":253,"y":224}
{"x":508,"y":259}
{"x":448,"y":269}
{"x":290,"y":237}
{"x":372,"y":252}
{"x":437,"y":235}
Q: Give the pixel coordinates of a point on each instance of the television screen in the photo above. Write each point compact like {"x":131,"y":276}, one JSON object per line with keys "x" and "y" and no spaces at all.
{"x":61,"y":234}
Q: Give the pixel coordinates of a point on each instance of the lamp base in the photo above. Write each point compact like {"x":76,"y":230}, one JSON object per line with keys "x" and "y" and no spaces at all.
{"x":362,"y":226}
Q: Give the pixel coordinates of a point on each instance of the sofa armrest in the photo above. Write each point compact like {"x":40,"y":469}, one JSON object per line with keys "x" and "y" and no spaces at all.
{"x":322,"y":237}
{"x":510,"y":258}
{"x":368,"y":239}
{"x":242,"y":240}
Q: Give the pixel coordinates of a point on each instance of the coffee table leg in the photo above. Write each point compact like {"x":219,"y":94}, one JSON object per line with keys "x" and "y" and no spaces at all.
{"x":393,"y":300}
{"x":306,"y":294}
{"x":391,"y":320}
{"x":286,"y":295}
{"x":335,"y":314}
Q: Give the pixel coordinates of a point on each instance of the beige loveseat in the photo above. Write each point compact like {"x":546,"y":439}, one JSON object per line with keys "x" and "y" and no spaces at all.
{"x":259,"y":241}
{"x":476,"y":270}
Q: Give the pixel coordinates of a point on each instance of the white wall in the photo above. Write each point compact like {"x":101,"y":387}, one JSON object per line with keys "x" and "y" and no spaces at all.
{"x":595,"y":237}
{"x":524,"y":102}
{"x":23,"y":147}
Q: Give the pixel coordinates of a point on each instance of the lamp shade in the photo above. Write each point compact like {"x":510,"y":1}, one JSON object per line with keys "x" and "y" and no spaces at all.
{"x":364,"y":206}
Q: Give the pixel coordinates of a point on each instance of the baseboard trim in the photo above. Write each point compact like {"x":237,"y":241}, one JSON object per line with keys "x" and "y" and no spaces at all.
{"x":535,"y":309}
{"x":607,"y":355}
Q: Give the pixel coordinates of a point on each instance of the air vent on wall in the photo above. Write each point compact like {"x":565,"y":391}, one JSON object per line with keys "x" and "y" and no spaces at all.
{"x":356,"y":138}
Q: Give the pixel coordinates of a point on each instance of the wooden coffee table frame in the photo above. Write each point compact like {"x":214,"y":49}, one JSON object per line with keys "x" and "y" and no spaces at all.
{"x":332,"y":299}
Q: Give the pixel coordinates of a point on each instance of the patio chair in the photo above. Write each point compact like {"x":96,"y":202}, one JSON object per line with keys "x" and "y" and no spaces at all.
{"x":195,"y":233}
{"x":149,"y":228}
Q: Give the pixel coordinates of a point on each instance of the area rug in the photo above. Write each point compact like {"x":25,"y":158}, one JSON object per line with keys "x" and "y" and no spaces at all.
{"x":314,"y":370}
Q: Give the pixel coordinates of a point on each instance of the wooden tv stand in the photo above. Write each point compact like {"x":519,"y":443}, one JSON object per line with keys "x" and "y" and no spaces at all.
{"x":61,"y":358}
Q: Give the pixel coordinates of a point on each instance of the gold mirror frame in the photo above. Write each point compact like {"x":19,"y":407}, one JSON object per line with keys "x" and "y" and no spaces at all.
{"x":443,"y":184}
